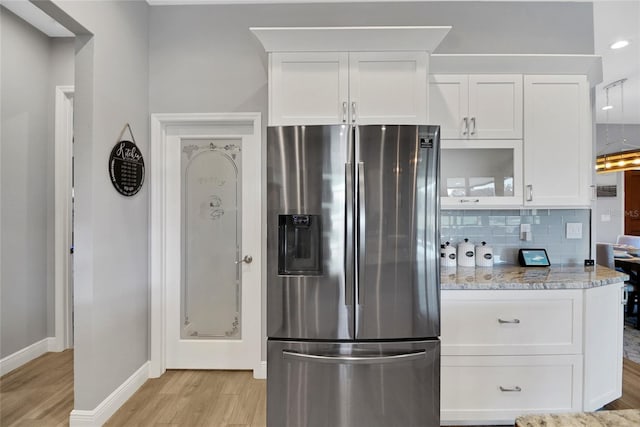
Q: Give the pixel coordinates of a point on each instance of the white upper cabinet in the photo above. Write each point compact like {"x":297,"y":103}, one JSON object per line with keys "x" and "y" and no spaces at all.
{"x":557,"y":141}
{"x":307,"y":88}
{"x":482,"y":106}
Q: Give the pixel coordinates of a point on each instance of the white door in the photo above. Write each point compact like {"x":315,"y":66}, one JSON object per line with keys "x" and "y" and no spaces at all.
{"x":212,"y":226}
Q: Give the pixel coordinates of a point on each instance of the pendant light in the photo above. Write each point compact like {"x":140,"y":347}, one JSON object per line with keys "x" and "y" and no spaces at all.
{"x":620,"y":160}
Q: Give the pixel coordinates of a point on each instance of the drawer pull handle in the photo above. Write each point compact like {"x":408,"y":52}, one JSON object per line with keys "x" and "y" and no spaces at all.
{"x":508,"y":321}
{"x":514,"y":389}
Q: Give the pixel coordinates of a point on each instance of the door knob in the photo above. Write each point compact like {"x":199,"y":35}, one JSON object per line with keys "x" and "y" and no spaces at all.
{"x":247,"y":258}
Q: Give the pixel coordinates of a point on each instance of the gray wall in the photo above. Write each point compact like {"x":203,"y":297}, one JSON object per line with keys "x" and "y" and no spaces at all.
{"x":25,"y":155}
{"x":609,"y":211}
{"x":32,"y":65}
{"x":204,"y":58}
{"x":111,"y":231}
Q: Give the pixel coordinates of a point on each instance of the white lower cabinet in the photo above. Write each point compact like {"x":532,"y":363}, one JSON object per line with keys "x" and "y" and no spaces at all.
{"x":497,"y":389}
{"x":507,"y":353}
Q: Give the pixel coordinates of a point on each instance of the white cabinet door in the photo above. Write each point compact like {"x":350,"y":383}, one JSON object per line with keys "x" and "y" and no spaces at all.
{"x":448,"y":104}
{"x":388,"y":87}
{"x":308,"y":88}
{"x":495,"y":106}
{"x":482,"y":106}
{"x":604,"y":324}
{"x":557,"y":141}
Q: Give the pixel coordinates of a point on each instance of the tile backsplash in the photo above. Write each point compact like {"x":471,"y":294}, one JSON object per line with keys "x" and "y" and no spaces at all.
{"x":501,"y":230}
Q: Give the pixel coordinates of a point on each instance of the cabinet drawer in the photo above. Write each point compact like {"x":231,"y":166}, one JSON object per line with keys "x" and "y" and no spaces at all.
{"x":500,"y":388}
{"x":511,"y":322}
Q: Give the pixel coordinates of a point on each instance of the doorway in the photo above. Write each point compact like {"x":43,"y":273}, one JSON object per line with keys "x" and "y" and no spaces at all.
{"x":632,"y":202}
{"x":206,"y":245}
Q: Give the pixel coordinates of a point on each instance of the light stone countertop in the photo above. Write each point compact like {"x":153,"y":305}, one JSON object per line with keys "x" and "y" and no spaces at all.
{"x":516,"y":277}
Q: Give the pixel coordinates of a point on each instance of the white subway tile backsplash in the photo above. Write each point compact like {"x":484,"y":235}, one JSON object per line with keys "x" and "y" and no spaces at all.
{"x":500,"y":228}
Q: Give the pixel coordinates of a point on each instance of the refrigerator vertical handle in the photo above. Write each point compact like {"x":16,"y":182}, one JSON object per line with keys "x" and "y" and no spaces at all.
{"x":361,"y":223}
{"x":348,"y":235}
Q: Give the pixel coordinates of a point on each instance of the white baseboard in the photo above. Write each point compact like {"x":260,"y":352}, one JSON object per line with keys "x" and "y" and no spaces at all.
{"x":260,"y":373}
{"x":109,"y":406}
{"x":27,"y":354}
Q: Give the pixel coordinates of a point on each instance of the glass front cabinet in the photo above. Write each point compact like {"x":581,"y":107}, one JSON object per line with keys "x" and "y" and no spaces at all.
{"x":481,"y":174}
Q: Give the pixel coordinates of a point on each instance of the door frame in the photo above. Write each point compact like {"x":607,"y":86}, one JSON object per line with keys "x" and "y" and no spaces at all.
{"x":63,"y":272}
{"x":164,"y":126}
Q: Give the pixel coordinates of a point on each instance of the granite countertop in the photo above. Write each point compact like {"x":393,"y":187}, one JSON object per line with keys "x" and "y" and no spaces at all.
{"x":516,"y":277}
{"x":621,"y":418}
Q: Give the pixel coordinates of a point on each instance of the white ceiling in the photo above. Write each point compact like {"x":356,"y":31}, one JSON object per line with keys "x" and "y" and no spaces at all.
{"x":613,"y":20}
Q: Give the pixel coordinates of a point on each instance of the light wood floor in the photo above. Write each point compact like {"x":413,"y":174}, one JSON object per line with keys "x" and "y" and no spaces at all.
{"x":40,"y":393}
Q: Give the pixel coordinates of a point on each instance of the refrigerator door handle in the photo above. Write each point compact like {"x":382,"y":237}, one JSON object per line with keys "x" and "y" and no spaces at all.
{"x":354,"y":360}
{"x":361,"y":227}
{"x":348,"y":235}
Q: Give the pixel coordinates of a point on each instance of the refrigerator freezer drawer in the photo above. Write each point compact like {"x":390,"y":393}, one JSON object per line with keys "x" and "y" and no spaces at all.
{"x":329,"y":384}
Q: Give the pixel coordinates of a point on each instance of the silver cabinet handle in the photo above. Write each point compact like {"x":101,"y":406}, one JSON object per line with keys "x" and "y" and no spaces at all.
{"x":594,"y":193}
{"x":344,"y":112}
{"x":465,"y":131}
{"x":348,"y":235}
{"x":529,"y":193}
{"x":469,"y":200}
{"x":473,"y":126}
{"x":514,"y":389}
{"x":247,"y":258}
{"x":501,"y":321}
{"x":359,"y":360}
{"x":353,"y":112}
{"x":625,"y":296}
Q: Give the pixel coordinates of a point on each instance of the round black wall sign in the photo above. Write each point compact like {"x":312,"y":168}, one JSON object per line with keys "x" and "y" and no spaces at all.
{"x":126,"y":168}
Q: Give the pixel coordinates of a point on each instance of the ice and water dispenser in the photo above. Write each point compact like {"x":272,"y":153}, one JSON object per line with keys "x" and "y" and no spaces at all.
{"x":299,"y":245}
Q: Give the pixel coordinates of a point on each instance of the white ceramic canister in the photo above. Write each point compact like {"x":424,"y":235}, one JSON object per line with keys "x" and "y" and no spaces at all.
{"x":484,"y":255}
{"x":466,"y":254}
{"x":447,"y":255}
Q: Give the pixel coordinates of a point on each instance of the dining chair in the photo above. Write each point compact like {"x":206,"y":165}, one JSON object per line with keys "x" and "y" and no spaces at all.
{"x":604,"y":255}
{"x":626,"y":239}
{"x":633,"y":285}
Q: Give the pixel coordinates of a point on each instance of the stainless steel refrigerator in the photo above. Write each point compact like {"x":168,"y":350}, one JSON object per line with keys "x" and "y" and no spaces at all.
{"x":353,"y":288}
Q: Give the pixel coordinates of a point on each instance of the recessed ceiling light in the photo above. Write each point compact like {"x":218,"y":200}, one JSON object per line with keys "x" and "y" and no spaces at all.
{"x":620,"y":44}
{"x":607,"y":107}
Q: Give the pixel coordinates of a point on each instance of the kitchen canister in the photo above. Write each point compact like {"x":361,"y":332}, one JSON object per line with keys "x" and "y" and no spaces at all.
{"x":484,"y":255}
{"x":466,"y":254}
{"x":447,"y":255}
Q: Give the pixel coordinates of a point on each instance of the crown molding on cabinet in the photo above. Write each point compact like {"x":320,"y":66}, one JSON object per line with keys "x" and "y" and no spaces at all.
{"x":350,"y":39}
{"x":589,"y":65}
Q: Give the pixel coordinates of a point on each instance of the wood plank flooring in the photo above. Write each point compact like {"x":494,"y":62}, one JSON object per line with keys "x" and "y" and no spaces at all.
{"x":40,"y":393}
{"x":197,"y":398}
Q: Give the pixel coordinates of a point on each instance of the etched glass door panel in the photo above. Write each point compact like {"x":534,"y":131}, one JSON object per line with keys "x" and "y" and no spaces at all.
{"x":211,"y":239}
